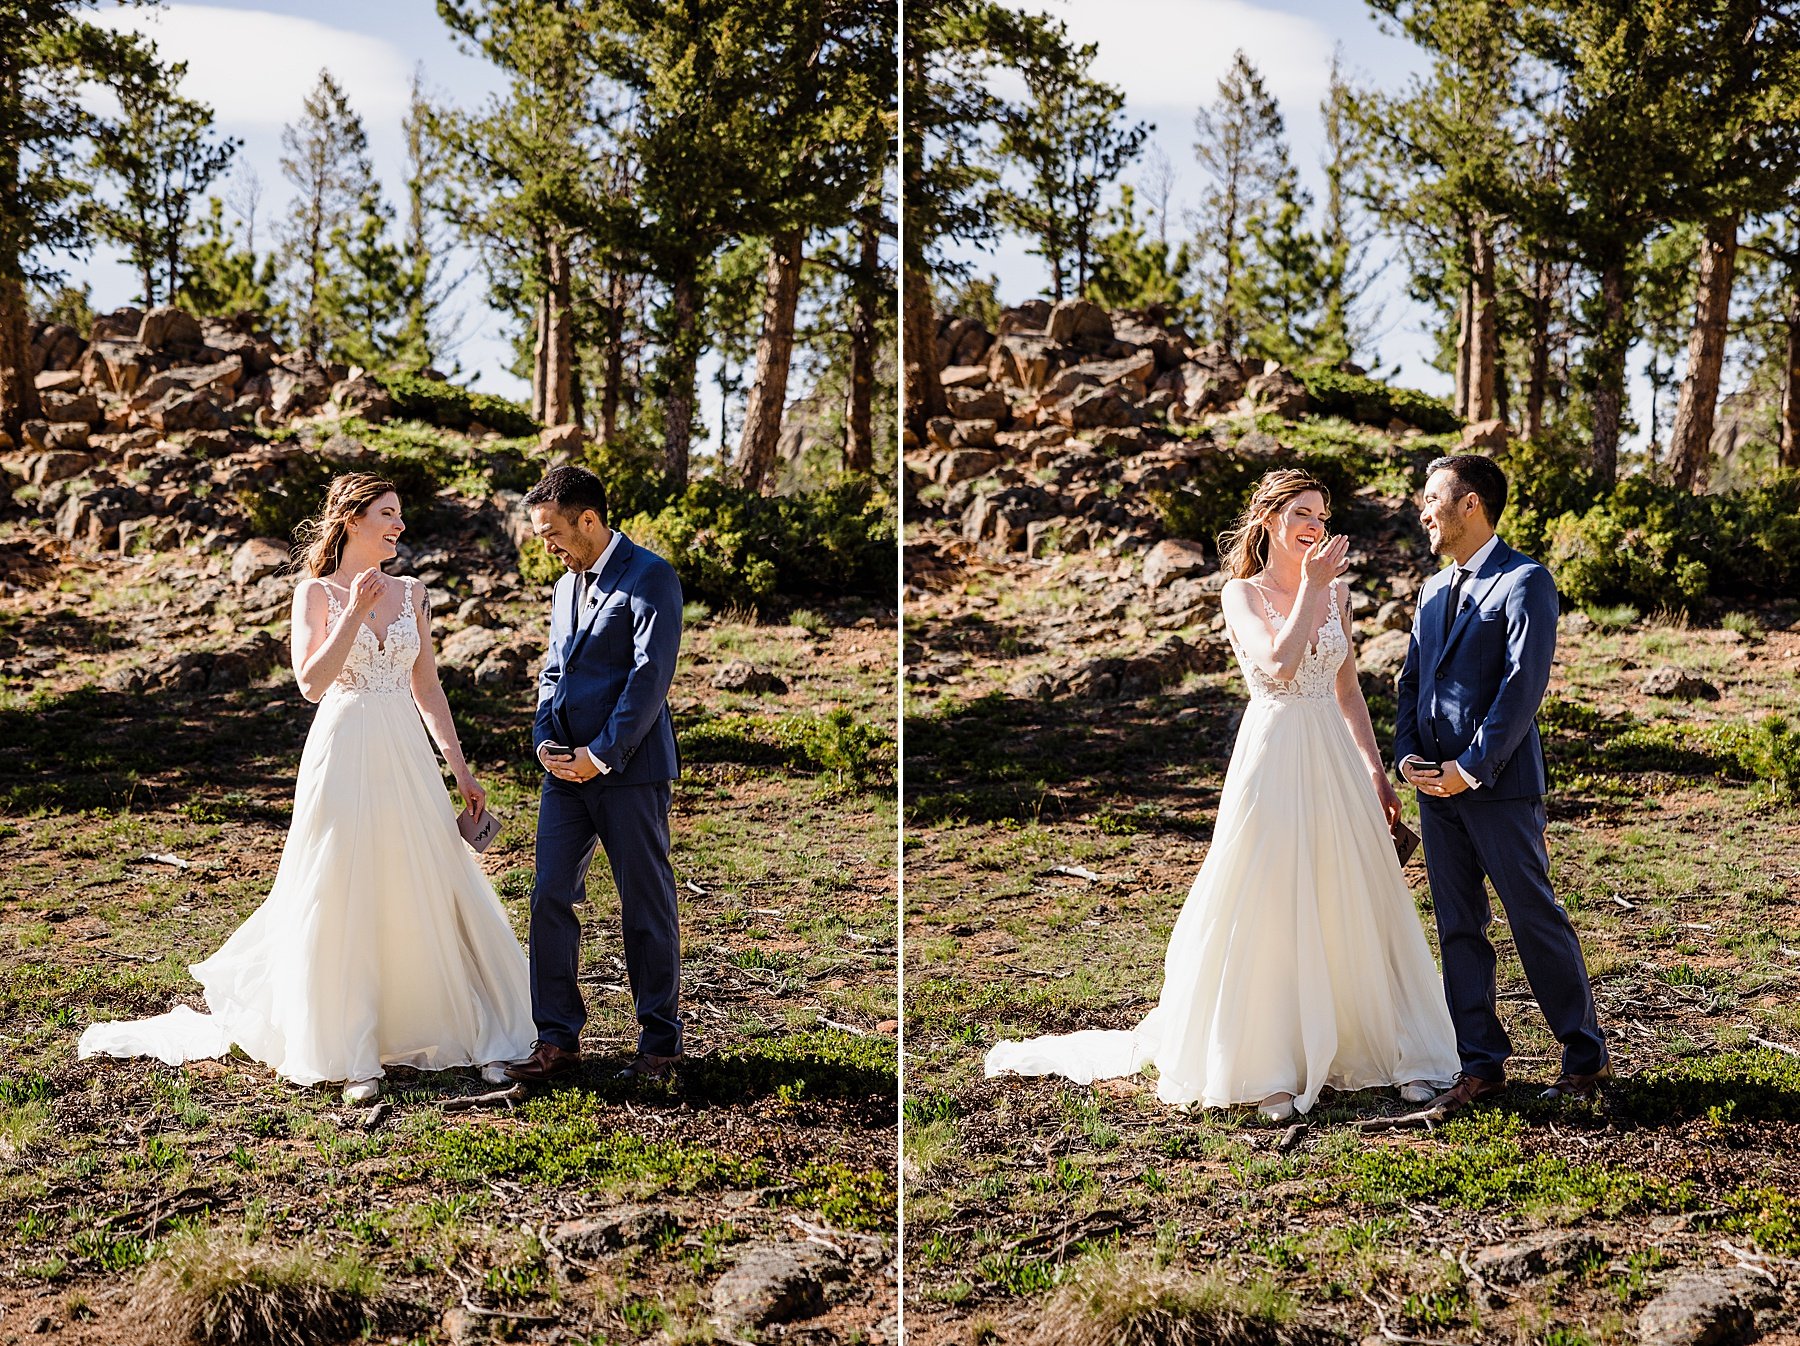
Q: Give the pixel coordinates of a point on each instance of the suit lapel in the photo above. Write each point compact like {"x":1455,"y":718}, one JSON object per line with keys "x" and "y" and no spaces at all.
{"x":610,"y":575}
{"x":1476,"y":590}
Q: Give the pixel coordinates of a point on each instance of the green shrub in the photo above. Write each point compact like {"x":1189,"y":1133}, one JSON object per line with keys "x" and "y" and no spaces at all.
{"x":1357,"y":397}
{"x":733,"y":547}
{"x":277,"y":508}
{"x":455,"y":408}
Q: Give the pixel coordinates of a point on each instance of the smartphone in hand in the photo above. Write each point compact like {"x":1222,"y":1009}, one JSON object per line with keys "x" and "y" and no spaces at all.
{"x":558,"y":752}
{"x":1428,"y":770}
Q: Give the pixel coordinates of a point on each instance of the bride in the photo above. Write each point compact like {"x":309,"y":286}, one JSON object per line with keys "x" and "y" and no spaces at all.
{"x":1298,"y":961}
{"x":381,"y":942}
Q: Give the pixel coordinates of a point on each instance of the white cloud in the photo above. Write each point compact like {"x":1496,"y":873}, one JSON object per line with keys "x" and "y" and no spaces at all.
{"x":255,"y":68}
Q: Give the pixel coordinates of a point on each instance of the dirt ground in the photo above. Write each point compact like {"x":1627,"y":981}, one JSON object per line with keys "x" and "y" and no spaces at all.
{"x":137,"y":829}
{"x":1049,"y":848}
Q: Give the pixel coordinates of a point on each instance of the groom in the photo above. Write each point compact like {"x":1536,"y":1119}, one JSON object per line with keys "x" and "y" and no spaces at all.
{"x":1467,"y":738}
{"x":604,"y":735}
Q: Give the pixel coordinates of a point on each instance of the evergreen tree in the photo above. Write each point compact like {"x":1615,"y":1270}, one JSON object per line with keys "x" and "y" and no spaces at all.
{"x":1343,"y":238}
{"x":365,"y":291}
{"x":1239,"y":144}
{"x":160,"y":156}
{"x":1067,"y":140}
{"x":423,"y":285}
{"x":223,"y":277}
{"x":48,"y":58}
{"x":326,"y":158}
{"x":1132,"y":269}
{"x":1282,"y":277}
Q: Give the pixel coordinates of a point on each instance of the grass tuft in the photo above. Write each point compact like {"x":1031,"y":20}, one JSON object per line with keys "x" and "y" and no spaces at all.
{"x":1139,"y":1306}
{"x":218,"y":1288}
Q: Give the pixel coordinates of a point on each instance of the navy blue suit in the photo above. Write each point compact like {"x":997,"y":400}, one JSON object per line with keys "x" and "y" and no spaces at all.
{"x":1472,"y":696}
{"x":605,"y":686}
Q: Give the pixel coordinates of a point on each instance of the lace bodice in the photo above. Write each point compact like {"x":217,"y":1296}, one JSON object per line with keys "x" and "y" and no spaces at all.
{"x":1317,"y":674}
{"x":383,"y":665}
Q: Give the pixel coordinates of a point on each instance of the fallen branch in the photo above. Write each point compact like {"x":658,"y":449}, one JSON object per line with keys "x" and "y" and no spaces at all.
{"x":1775,"y":1046}
{"x":495,"y":1098}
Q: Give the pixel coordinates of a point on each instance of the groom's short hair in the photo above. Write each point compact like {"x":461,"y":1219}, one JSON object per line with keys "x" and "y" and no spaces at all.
{"x":1483,"y":476}
{"x":571,"y":489}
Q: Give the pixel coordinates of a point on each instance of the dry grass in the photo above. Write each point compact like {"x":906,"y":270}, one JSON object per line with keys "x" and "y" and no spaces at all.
{"x":218,"y":1288}
{"x":1138,"y":1305}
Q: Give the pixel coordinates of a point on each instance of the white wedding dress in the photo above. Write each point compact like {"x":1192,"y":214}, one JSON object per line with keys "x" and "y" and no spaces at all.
{"x":381,"y":941}
{"x":1298,"y":961}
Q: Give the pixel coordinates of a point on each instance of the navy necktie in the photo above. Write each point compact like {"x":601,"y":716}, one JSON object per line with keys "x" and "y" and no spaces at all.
{"x":1450,"y":609}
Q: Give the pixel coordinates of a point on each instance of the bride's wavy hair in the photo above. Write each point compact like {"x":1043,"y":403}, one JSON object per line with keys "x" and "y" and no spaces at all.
{"x":319,"y":542}
{"x":1244,"y":547}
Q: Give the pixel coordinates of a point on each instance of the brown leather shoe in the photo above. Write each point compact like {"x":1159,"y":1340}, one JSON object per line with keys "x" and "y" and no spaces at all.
{"x":546,"y":1062}
{"x":1467,"y":1089}
{"x":648,"y":1066}
{"x":1578,"y":1086}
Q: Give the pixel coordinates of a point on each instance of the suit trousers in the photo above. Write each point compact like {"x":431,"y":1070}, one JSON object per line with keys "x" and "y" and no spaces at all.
{"x":631,"y":822}
{"x":1469,"y":839}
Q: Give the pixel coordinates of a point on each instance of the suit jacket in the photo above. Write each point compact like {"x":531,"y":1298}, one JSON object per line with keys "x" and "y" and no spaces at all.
{"x":606,"y":678}
{"x":1473,"y":696}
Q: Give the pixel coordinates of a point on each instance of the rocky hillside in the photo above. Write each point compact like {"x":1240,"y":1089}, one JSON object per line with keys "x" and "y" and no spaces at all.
{"x":1085,"y":449}
{"x":201,"y":440}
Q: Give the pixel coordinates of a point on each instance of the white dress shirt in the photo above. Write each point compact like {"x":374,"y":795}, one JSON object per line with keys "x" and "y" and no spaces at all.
{"x":590,"y":578}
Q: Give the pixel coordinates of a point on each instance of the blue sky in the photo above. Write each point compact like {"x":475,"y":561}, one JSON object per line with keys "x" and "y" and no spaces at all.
{"x":254,"y":64}
{"x":1168,"y":56}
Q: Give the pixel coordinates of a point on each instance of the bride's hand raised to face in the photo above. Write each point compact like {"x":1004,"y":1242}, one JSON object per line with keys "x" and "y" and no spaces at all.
{"x":1326,"y":559}
{"x":367,"y":589}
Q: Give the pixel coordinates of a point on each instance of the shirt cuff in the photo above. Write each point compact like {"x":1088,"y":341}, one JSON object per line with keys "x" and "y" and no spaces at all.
{"x":1468,"y":780}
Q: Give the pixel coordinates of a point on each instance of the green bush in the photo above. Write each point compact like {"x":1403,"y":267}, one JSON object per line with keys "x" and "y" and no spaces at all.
{"x":1357,"y":397}
{"x":455,"y":408}
{"x":734,"y":547}
{"x":277,"y":508}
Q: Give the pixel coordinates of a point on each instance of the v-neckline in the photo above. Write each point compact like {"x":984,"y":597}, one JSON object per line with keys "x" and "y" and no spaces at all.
{"x":381,"y":637}
{"x":1317,"y":640}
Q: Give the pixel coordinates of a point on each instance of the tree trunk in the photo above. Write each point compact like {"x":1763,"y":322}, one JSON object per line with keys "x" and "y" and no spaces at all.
{"x":615,"y":355}
{"x":774,"y":352}
{"x":540,"y":352}
{"x":1460,"y":392}
{"x":1690,"y":442}
{"x":924,"y":393}
{"x":18,"y":389}
{"x":682,"y":353}
{"x":1790,"y":387}
{"x":559,"y":352}
{"x":1484,"y":326}
{"x":1609,"y":364}
{"x":859,"y":414}
{"x":1542,"y":290}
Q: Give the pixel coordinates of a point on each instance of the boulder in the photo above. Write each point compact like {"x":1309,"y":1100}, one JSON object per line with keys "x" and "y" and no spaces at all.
{"x":1079,"y":320}
{"x":561,"y":441}
{"x":1173,"y":559}
{"x":170,"y":328}
{"x":362,"y":396}
{"x":963,"y":341}
{"x":147,"y":534}
{"x":221,"y":376}
{"x":1698,"y":1309}
{"x":1394,"y":615}
{"x":92,"y":519}
{"x":964,"y":465}
{"x":1094,"y":408}
{"x":116,"y":366}
{"x":120,"y":324}
{"x":1023,"y":360}
{"x":1534,"y":1257}
{"x":43,"y":469}
{"x":964,"y":376}
{"x":297,"y":384}
{"x":465,"y":649}
{"x":975,"y":434}
{"x":54,"y":437}
{"x":187,"y":411}
{"x":58,"y":381}
{"x":258,"y":558}
{"x":1031,"y":316}
{"x":610,"y":1230}
{"x":1000,"y":518}
{"x":57,"y":348}
{"x":1384,"y":655}
{"x":80,"y":407}
{"x":741,"y":676}
{"x":1669,"y":681}
{"x":775,"y":1283}
{"x":978,"y":404}
{"x":1277,"y":391}
{"x":1484,"y":436}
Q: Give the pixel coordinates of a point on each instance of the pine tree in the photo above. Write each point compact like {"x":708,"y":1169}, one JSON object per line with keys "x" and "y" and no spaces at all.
{"x":1239,"y":144}
{"x":1133,"y":269}
{"x":160,"y":155}
{"x":424,"y":285}
{"x":1282,"y":278}
{"x":326,"y":159}
{"x":221,"y":277}
{"x":1343,"y":239}
{"x":48,"y":58}
{"x":364,"y":292}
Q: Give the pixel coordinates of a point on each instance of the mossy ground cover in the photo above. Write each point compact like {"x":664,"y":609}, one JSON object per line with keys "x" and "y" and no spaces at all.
{"x":123,"y":1179}
{"x":1049,"y":848}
